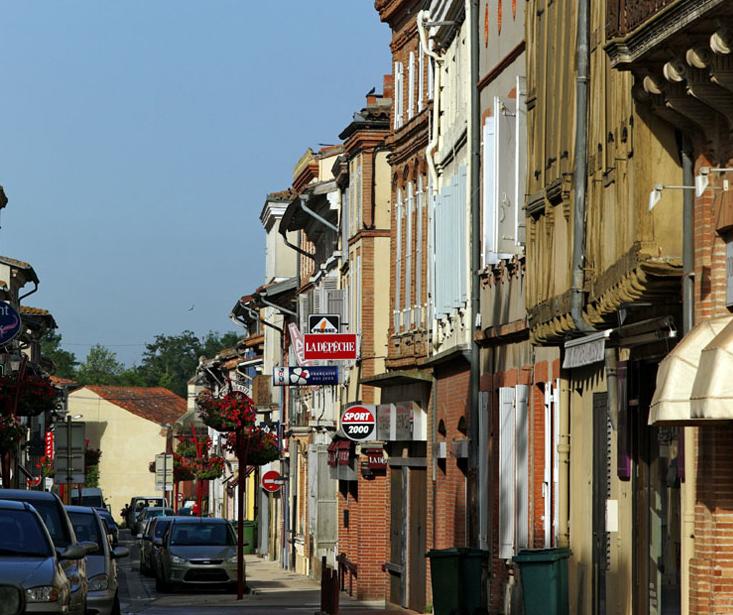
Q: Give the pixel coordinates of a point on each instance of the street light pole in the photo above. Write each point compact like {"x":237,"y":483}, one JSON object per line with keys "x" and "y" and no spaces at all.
{"x":167,"y":427}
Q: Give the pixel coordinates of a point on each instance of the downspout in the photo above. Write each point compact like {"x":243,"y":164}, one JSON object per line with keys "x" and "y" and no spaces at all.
{"x":581,"y":170}
{"x":30,"y":292}
{"x":477,"y":503}
{"x":279,"y":308}
{"x":688,"y":486}
{"x":314,"y":215}
{"x":422,"y":18}
{"x":563,"y":453}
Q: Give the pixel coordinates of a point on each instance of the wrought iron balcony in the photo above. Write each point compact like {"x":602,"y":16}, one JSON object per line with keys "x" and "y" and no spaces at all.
{"x":624,"y":16}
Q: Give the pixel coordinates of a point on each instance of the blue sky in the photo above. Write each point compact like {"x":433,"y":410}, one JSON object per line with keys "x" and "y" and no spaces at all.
{"x":138,"y":140}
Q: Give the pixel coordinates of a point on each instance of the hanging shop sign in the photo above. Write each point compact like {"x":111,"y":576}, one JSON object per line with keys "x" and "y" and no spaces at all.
{"x":376,"y":461}
{"x":340,"y":453}
{"x":48,"y":446}
{"x":305,"y":376}
{"x":401,"y":421}
{"x":324,"y":323}
{"x":10,"y":323}
{"x":296,"y":339}
{"x":272,"y":482}
{"x":330,"y":346}
{"x":359,"y":422}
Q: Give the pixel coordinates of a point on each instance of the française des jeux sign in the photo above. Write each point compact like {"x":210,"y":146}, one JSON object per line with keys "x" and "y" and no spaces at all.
{"x":305,"y":376}
{"x":10,"y":322}
{"x":330,"y":346}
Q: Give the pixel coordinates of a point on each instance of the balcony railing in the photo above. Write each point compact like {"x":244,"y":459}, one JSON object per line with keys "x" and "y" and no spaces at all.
{"x":624,"y":16}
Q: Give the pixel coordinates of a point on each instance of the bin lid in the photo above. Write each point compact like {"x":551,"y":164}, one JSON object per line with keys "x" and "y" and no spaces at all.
{"x":542,"y":555}
{"x":457,"y":552}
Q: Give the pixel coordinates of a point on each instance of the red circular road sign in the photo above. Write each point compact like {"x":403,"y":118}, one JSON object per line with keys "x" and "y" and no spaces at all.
{"x":359,"y":422}
{"x":271,"y":481}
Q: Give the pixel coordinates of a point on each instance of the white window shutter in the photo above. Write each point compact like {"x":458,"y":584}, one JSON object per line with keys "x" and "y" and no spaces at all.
{"x":489,"y":168}
{"x":505,"y":192}
{"x":431,"y":74}
{"x":420,"y":79}
{"x":522,"y":467}
{"x":398,"y":262}
{"x":357,"y":328}
{"x":411,"y":87}
{"x":547,"y":475}
{"x":520,"y":130}
{"x":408,"y":254}
{"x":556,"y":455}
{"x":507,"y":491}
{"x":419,"y":251}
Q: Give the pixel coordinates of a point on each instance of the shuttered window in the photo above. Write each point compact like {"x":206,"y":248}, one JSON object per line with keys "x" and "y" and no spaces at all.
{"x":408,"y":255}
{"x":398,"y":262}
{"x":411,"y":86}
{"x":420,"y":80}
{"x":357,"y":328}
{"x":431,"y":74}
{"x":513,"y":470}
{"x":399,"y":93}
{"x":418,"y":312}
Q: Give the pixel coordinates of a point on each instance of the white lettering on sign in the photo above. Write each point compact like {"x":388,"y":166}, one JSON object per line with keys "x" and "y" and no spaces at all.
{"x":330,"y":347}
{"x":357,"y":417}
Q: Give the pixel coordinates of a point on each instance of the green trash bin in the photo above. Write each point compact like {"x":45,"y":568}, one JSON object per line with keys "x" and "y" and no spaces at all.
{"x":459,"y":580}
{"x":250,"y":537}
{"x":544,"y":576}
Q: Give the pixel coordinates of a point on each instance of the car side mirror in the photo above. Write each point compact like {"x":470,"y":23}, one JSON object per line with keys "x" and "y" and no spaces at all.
{"x":119,"y":552}
{"x":72,"y":552}
{"x":89,"y":546}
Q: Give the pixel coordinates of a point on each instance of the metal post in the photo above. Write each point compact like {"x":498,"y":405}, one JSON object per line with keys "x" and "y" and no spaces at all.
{"x":69,"y":475}
{"x":165,"y":470}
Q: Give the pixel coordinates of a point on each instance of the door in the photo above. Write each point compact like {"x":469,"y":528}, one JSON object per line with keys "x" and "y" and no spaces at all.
{"x":416,"y":539}
{"x":398,"y":536}
{"x":601,"y":484}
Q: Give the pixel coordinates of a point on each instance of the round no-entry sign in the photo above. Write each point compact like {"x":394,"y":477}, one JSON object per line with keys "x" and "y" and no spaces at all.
{"x":359,"y":422}
{"x":271,"y":481}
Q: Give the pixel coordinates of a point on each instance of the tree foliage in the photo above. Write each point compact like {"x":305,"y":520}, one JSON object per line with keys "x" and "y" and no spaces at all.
{"x":168,"y":361}
{"x":65,"y":362}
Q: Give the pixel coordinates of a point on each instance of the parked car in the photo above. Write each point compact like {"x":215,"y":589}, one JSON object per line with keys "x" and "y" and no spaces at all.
{"x":88,"y":496}
{"x":30,"y":560}
{"x":113,"y":531}
{"x":137,"y":504}
{"x":154,"y":528}
{"x":12,"y":599}
{"x":103,"y":597}
{"x":197,"y":551}
{"x":153,"y":511}
{"x":58,"y":524}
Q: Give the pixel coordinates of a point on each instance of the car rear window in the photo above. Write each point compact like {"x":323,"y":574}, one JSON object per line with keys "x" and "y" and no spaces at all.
{"x":202,"y":534}
{"x":160,"y":527}
{"x":86,"y":527}
{"x":21,"y":535}
{"x":53,"y":516}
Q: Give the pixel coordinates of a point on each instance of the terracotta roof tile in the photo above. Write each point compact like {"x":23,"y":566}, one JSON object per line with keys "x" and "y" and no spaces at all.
{"x":33,"y":311}
{"x":156,"y":404}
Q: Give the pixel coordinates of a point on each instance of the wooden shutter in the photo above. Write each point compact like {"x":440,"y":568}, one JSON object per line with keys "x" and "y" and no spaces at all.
{"x":489,"y":222}
{"x":520,"y":190}
{"x":507,"y":491}
{"x":408,"y":255}
{"x":505,"y":192}
{"x":547,"y":474}
{"x":556,"y":458}
{"x":420,"y":79}
{"x":398,"y":263}
{"x":418,"y":315}
{"x":522,"y":461}
{"x":411,"y":86}
{"x":483,"y":469}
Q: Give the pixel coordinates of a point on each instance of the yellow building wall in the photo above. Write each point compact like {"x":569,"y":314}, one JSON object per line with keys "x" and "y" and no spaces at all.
{"x":128,"y":444}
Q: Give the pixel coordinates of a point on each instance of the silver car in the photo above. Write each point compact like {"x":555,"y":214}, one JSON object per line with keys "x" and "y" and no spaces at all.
{"x":155,"y":528}
{"x":197,"y":551}
{"x":102,"y":597}
{"x":28,"y":559}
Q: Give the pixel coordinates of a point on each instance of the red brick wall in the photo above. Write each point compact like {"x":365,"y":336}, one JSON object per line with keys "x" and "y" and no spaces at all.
{"x":452,"y":391}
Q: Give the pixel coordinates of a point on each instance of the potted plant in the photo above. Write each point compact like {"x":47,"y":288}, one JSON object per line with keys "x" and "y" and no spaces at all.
{"x":232,"y":412}
{"x":28,"y":395}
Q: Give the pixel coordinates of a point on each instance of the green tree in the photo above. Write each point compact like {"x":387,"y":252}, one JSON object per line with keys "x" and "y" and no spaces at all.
{"x":64,"y":361}
{"x":170,"y":360}
{"x":100,"y":367}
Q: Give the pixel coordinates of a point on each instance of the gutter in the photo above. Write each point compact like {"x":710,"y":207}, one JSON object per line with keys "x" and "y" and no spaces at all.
{"x":30,"y":292}
{"x":314,"y":215}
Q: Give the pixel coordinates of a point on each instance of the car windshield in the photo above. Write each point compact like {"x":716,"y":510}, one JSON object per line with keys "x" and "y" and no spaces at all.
{"x":52,"y":516}
{"x":86,"y":527}
{"x":160,"y":527}
{"x":21,"y":535}
{"x":90,"y":500}
{"x":158,"y":513}
{"x":202,"y":534}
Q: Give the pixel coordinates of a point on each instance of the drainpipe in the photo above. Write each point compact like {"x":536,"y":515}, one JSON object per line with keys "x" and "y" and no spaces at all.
{"x":30,"y":292}
{"x":563,"y":451}
{"x":476,"y":512}
{"x":422,"y":19}
{"x":688,"y":486}
{"x":581,"y":169}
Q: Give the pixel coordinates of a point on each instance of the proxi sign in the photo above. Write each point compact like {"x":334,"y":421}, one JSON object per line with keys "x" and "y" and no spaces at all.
{"x":359,"y":422}
{"x":330,"y":346}
{"x":271,"y":481}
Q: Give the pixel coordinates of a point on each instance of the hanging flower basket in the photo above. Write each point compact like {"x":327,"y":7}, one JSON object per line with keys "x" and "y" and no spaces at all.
{"x":260,"y":446}
{"x":186,"y":448}
{"x":35,"y":394}
{"x":210,"y":469}
{"x":233,"y":412}
{"x":11,"y":433}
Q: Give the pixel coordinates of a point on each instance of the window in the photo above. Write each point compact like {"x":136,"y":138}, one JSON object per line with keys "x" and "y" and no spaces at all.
{"x":411,"y":87}
{"x":418,"y":315}
{"x":513,"y":470}
{"x":431,"y":74}
{"x":399,"y":95}
{"x":398,"y":261}
{"x":420,"y":79}
{"x":408,"y":256}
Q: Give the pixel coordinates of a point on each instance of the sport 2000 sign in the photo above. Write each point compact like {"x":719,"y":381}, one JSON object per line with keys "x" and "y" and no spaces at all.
{"x":359,"y":422}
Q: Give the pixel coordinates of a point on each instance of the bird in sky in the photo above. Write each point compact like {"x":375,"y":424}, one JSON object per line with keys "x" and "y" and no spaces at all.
{"x":191,"y":309}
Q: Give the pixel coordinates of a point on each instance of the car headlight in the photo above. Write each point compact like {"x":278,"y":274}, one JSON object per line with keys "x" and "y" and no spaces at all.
{"x":177,"y":560}
{"x":44,"y":593}
{"x":233,"y":560}
{"x":99,"y":583}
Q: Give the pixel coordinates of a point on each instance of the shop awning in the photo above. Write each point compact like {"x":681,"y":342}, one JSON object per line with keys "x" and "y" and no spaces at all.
{"x":677,"y":373}
{"x":712,"y":392}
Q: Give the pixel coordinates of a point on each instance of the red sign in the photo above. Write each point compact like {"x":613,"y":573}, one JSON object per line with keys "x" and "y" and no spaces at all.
{"x":271,"y":481}
{"x":359,"y":422}
{"x":375,"y":458}
{"x":333,"y":346}
{"x":48,"y":448}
